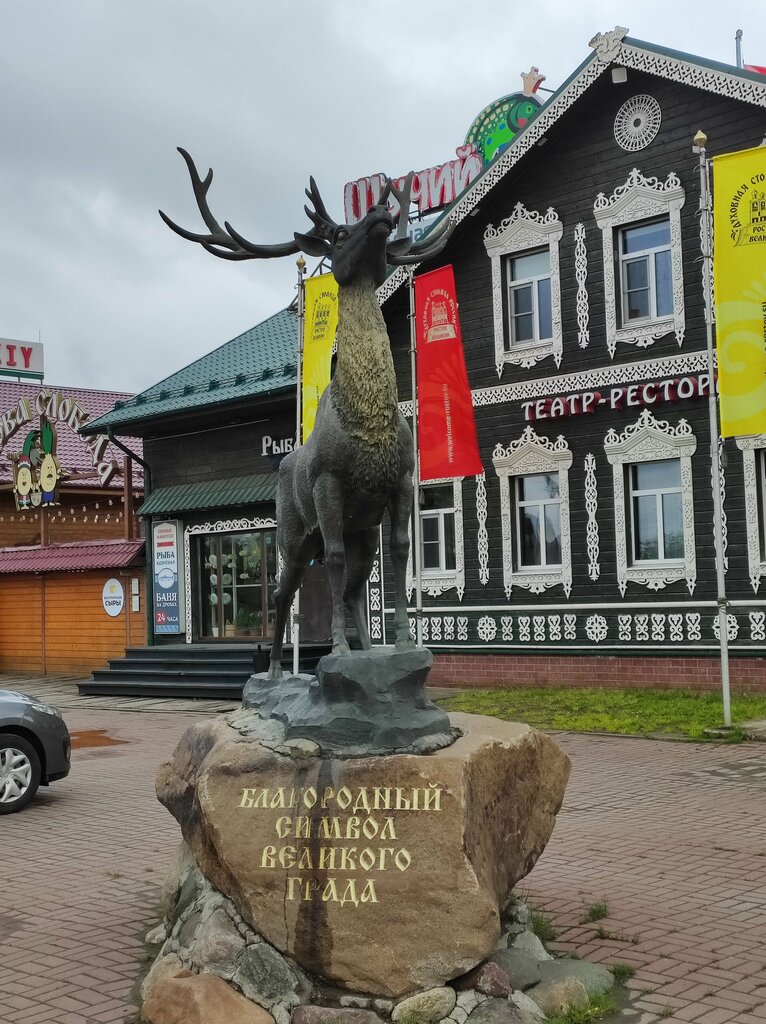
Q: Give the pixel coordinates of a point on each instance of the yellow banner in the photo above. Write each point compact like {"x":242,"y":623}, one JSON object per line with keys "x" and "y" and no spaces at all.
{"x":319,"y":335}
{"x":739,"y":268}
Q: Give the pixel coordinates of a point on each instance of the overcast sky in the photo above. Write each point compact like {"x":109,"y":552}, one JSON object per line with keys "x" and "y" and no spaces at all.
{"x":96,"y":94}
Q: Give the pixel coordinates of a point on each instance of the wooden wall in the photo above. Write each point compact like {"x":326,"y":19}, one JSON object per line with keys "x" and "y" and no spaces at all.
{"x":56,"y":624}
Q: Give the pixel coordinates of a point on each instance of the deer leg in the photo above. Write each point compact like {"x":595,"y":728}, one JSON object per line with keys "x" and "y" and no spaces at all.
{"x":328,"y":501}
{"x":399,"y":511}
{"x":360,"y":554}
{"x":290,"y":580}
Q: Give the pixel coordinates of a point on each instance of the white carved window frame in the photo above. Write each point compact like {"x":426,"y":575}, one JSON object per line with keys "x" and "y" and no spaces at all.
{"x":434,"y":584}
{"x":651,"y":440}
{"x":641,"y":199}
{"x":219,"y":526}
{"x":753,"y":474}
{"x":524,"y":230}
{"x":527,"y":455}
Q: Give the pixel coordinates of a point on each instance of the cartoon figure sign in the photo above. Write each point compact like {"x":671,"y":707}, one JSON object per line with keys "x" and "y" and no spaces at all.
{"x":36,"y":469}
{"x":25,"y":486}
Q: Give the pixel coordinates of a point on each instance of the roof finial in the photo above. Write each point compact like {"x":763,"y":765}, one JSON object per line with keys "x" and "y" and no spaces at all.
{"x":607,"y":44}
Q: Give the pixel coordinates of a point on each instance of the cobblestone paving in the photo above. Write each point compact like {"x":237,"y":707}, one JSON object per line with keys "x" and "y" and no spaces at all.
{"x":672,"y":836}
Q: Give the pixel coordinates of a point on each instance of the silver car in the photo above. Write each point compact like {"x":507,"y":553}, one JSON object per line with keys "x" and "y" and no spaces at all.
{"x":35,"y":748}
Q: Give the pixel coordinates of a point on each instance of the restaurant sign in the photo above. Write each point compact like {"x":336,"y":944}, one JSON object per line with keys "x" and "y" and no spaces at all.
{"x":627,"y":397}
{"x":21,"y":358}
{"x":36,"y":468}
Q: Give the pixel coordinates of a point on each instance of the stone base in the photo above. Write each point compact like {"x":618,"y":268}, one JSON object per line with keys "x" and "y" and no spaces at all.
{"x":360,"y":703}
{"x":383,"y":875}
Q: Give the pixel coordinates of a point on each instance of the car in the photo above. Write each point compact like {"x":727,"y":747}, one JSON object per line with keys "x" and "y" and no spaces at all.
{"x":35,"y":748}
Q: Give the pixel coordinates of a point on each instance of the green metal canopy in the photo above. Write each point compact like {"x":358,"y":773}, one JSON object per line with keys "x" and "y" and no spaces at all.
{"x":230,"y":491}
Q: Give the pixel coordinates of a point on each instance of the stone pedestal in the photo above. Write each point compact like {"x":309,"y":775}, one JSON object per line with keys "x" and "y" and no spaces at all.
{"x":378,"y":874}
{"x":359,"y":703}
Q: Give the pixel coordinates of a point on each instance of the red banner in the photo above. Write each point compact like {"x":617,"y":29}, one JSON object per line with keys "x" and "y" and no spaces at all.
{"x":446,"y":425}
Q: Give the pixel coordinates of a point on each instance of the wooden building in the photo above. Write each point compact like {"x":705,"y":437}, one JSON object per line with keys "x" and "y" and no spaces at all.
{"x":584,"y":553}
{"x":71,"y":555}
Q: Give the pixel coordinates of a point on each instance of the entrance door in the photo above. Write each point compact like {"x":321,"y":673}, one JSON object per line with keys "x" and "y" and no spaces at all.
{"x":237,"y":577}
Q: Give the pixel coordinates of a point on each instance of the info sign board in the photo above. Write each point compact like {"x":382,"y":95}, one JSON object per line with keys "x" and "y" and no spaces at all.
{"x":167,"y":569}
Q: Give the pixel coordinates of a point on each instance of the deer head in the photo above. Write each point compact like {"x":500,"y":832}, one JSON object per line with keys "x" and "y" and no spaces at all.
{"x":354,"y":251}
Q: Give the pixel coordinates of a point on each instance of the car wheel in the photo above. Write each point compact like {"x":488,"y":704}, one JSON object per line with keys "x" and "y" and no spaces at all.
{"x":19,"y":772}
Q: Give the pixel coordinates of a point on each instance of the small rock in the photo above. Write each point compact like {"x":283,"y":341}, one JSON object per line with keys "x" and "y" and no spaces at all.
{"x":156,"y":936}
{"x":265,"y":976}
{"x":188,"y":930}
{"x":426,"y":1007}
{"x":163,"y":967}
{"x":489,"y":978}
{"x":200,"y":999}
{"x":187,"y":896}
{"x":300,"y":748}
{"x":217,"y":945}
{"x":469,"y":1000}
{"x":333,"y":1015}
{"x":459,"y":1015}
{"x":594,"y":977}
{"x":530,"y":943}
{"x":527,"y":1005}
{"x":498,"y":1011}
{"x":522,"y":969}
{"x":281,"y":1013}
{"x":360,"y":1002}
{"x":383,"y":1005}
{"x":557,"y":996}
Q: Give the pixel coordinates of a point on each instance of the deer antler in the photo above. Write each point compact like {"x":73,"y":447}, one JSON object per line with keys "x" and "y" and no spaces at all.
{"x":402,"y":250}
{"x":227,"y":244}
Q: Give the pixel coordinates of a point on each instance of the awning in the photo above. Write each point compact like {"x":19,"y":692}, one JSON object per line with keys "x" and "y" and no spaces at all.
{"x":75,"y":557}
{"x":227,"y":492}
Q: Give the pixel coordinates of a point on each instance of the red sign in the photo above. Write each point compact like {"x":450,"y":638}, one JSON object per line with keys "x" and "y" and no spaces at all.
{"x":446,"y":425}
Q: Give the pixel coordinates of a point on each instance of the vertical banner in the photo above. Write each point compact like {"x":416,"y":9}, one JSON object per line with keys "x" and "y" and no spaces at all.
{"x":446,"y":424}
{"x":167,"y":571}
{"x":321,"y":323}
{"x":739,"y":270}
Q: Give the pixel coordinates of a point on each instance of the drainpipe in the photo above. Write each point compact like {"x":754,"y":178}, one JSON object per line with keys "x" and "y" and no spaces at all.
{"x":149,"y":590}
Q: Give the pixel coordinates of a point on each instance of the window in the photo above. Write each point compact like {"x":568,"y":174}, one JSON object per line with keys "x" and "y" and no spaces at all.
{"x":643,"y":280}
{"x":526,"y":291}
{"x":441,"y":539}
{"x":534,"y":512}
{"x":653,"y":502}
{"x":656,"y":513}
{"x":437,"y":529}
{"x":538,"y":520}
{"x":530,"y":320}
{"x":645,"y":272}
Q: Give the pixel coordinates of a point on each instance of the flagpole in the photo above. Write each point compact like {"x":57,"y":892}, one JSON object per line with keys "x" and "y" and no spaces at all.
{"x":295,"y":617}
{"x":416,"y":554}
{"x":700,"y":142}
{"x":738,"y":44}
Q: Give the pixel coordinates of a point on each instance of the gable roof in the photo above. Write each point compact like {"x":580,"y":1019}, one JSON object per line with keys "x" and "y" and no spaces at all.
{"x":260,"y":361}
{"x":609,"y":48}
{"x":70,"y":447}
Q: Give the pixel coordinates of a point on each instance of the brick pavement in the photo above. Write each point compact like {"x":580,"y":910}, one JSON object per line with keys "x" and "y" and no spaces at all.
{"x":672,"y":836}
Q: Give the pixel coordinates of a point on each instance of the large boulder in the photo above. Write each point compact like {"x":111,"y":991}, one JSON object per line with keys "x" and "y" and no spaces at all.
{"x":379,"y":874}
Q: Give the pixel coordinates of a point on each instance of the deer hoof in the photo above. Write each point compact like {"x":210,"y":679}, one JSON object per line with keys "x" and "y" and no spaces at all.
{"x":341,"y":647}
{"x":405,"y":643}
{"x":275,"y":672}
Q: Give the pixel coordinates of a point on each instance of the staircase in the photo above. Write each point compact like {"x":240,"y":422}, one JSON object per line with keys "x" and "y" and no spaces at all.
{"x":190,"y":670}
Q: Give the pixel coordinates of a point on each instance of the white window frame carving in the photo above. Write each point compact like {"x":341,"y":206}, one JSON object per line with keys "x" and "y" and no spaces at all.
{"x":651,"y":440}
{"x":641,"y":199}
{"x":527,"y":455}
{"x":525,"y":230}
{"x":439,"y":583}
{"x":219,"y":526}
{"x":750,"y":446}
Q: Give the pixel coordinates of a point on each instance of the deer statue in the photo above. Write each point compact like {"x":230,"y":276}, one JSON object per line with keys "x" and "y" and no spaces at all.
{"x":358,"y":461}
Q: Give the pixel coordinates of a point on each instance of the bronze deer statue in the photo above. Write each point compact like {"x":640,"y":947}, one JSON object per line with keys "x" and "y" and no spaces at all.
{"x":358,"y":461}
